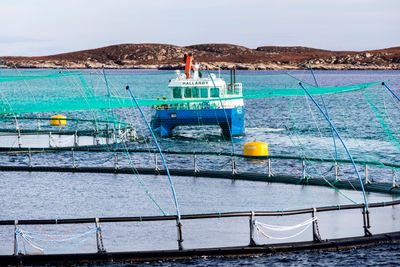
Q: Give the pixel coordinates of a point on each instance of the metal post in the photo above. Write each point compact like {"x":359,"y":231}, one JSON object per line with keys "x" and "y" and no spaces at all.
{"x":73,"y":158}
{"x":116,"y":160}
{"x":156,"y":168}
{"x":19,"y":139}
{"x":29,"y":157}
{"x":15,"y":238}
{"x":251,"y":224}
{"x":394,"y":178}
{"x":234,"y":171}
{"x":195,"y":163}
{"x":50,"y":140}
{"x":337,"y":170}
{"x":76,"y":138}
{"x":114,"y":136}
{"x":107,"y":135}
{"x":367,"y":181}
{"x":315,"y":228}
{"x":269,"y":168}
{"x":180,"y":234}
{"x":99,"y":237}
{"x":366,"y":225}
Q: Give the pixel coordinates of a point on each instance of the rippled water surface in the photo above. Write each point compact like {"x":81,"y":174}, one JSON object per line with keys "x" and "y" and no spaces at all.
{"x":291,"y":126}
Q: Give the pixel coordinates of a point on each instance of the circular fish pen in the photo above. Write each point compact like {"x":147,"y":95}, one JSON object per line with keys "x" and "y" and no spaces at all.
{"x":50,"y":136}
{"x":104,"y":187}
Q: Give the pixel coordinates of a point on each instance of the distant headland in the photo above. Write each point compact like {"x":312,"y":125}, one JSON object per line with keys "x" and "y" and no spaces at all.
{"x":165,"y":56}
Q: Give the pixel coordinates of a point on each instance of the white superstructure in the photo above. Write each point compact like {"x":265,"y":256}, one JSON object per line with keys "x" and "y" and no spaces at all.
{"x":209,"y":87}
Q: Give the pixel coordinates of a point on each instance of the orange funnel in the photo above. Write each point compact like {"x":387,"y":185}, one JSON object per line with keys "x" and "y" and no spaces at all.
{"x":188,"y":65}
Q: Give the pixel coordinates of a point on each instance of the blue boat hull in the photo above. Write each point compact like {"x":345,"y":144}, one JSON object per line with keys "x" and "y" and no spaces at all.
{"x":231,"y":120}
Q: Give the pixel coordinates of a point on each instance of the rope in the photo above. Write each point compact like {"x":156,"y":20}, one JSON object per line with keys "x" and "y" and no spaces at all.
{"x":61,"y":143}
{"x":281,"y":228}
{"x":306,"y":224}
{"x":33,"y":239}
{"x":343,"y":143}
{"x":178,"y":214}
{"x":21,"y":233}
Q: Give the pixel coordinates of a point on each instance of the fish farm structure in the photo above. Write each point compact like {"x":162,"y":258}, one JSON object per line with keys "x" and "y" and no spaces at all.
{"x":338,"y":142}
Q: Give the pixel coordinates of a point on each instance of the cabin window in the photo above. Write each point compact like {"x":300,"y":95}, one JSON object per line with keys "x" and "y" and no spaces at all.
{"x":214,"y":92}
{"x":195,"y":92}
{"x":177,"y":93}
{"x":188,"y":92}
{"x":204,"y":92}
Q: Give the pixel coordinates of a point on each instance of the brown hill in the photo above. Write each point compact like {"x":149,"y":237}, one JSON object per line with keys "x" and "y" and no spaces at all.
{"x":165,"y":56}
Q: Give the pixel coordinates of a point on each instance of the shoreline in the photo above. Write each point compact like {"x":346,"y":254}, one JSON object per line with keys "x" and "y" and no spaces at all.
{"x":237,"y":66}
{"x":211,"y":56}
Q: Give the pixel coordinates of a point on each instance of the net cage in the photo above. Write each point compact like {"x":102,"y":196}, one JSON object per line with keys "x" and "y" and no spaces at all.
{"x":98,"y":113}
{"x":88,"y":121}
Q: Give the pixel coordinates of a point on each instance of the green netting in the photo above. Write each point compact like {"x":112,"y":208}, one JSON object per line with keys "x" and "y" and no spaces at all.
{"x":384,"y":121}
{"x":102,"y":104}
{"x":14,"y":78}
{"x":278,"y":92}
{"x":85,"y":98}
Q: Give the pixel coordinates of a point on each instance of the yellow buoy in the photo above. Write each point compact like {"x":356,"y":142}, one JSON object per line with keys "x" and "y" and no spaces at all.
{"x":58,"y":120}
{"x":255,"y":149}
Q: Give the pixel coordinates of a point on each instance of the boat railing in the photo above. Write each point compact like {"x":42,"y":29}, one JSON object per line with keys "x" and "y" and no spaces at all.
{"x":235,"y":89}
{"x":196,"y":105}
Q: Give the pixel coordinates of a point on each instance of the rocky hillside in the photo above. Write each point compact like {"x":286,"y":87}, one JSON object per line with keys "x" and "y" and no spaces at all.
{"x":163,"y":56}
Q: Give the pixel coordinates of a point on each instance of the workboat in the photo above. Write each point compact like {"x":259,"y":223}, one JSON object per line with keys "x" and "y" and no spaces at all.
{"x":199,"y":100}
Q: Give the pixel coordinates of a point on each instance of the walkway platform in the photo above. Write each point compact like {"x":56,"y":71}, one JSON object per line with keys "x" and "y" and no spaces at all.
{"x":149,"y":256}
{"x":247,"y":176}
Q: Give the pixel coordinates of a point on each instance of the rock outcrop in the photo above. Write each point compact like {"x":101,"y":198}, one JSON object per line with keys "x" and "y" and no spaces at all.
{"x":164,"y":56}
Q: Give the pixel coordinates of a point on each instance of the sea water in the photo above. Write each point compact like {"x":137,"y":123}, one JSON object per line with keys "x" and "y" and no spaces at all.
{"x":288,"y":125}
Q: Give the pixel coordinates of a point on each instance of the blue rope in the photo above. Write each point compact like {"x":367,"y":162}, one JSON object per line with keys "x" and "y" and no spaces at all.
{"x":226,"y":116}
{"x":178,"y":213}
{"x":341,"y":140}
{"x":109,"y":97}
{"x":315,"y":79}
{"x":326,"y":111}
{"x":391,"y":91}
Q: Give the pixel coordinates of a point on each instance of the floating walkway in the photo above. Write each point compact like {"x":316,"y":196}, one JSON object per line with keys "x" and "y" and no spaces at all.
{"x":317,"y":242}
{"x":235,"y":173}
{"x":165,"y":255}
{"x":246,"y":176}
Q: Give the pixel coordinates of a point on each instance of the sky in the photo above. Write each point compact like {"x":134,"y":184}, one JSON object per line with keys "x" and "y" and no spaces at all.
{"x":44,"y":27}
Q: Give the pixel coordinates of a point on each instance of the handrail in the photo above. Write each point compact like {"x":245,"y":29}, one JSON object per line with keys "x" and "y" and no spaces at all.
{"x":171,"y":152}
{"x":199,"y":216}
{"x":6,"y":118}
